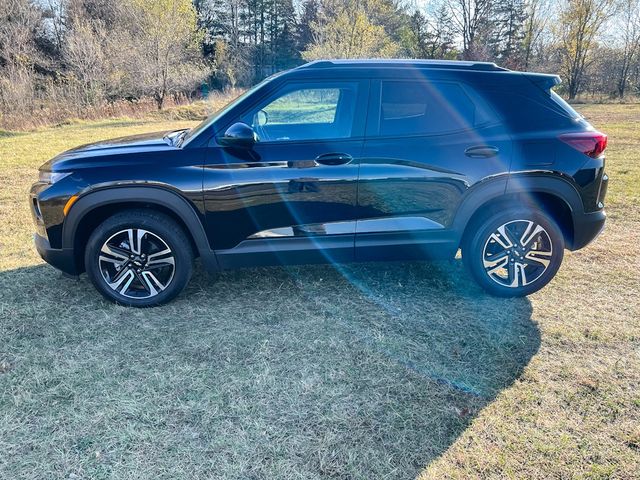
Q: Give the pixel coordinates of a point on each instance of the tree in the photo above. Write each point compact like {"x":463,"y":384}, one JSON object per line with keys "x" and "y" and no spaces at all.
{"x":428,"y":38}
{"x":84,"y":54}
{"x":471,"y":19}
{"x":629,"y":35}
{"x":168,"y":46}
{"x":509,"y":32}
{"x":346,"y":31}
{"x":578,"y":25}
{"x":535,"y":23}
{"x":308,"y":17}
{"x":19,"y":55}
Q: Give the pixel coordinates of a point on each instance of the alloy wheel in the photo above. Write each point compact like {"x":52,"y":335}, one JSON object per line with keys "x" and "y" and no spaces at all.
{"x":517,"y":253}
{"x":136,"y":263}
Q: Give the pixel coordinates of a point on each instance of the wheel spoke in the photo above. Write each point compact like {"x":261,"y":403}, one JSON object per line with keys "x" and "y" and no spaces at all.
{"x":115,"y":252}
{"x":118,"y":262}
{"x":512,"y":276}
{"x":495,"y":264}
{"x":135,"y":239}
{"x":502,"y":237}
{"x":157,"y":258}
{"x":530,"y":233}
{"x":534,"y":256}
{"x":158,"y":265}
{"x":122,"y":283}
{"x":150,"y":279}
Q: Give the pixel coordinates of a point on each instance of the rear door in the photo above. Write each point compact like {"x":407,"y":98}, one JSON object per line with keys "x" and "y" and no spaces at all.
{"x":292,"y":197}
{"x":428,"y":143}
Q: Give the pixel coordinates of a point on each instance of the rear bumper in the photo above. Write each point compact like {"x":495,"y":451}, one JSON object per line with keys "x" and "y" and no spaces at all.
{"x":63,"y":259}
{"x":586,"y":228}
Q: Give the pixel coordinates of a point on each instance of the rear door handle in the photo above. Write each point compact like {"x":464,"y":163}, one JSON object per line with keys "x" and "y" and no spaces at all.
{"x":334,"y":159}
{"x":481,"y":151}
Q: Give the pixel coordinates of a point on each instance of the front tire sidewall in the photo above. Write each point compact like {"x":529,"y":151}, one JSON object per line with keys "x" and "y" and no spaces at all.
{"x":472,"y":252}
{"x":177,"y":243}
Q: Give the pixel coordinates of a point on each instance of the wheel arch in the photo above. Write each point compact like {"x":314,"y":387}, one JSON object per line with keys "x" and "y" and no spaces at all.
{"x":552,"y":194}
{"x":94,"y":207}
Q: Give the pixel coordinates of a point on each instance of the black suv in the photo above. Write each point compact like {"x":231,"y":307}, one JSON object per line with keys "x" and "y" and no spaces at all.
{"x":336,"y":161}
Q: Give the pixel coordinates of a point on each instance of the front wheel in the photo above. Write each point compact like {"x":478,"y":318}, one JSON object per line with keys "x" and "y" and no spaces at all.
{"x":139,"y":258}
{"x":514,"y":253}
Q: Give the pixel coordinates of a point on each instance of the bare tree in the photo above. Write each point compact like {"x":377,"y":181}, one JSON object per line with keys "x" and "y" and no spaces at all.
{"x":534,"y":25}
{"x":576,"y":30}
{"x":471,"y":18}
{"x":19,"y":20}
{"x":628,"y":26}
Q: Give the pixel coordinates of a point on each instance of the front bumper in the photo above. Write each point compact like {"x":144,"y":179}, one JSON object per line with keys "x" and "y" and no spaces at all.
{"x":63,"y":259}
{"x":586,"y":227}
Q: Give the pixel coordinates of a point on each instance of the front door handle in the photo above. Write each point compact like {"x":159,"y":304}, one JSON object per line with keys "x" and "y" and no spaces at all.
{"x":481,"y":151}
{"x":334,"y":159}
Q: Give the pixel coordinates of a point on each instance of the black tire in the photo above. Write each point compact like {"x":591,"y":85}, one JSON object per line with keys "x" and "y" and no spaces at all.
{"x":153,"y":232}
{"x":484,"y":251}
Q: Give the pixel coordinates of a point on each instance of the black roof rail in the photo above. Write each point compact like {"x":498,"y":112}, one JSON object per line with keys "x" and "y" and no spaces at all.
{"x":405,"y":63}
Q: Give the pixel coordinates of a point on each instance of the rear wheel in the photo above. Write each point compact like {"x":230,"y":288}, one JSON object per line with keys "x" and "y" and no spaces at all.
{"x":139,"y":258}
{"x":515,"y":252}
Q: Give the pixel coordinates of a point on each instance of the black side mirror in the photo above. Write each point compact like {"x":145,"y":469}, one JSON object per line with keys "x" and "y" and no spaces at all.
{"x":239,"y":135}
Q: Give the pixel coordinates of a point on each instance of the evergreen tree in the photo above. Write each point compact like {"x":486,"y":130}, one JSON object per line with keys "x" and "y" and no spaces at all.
{"x":507,"y":42}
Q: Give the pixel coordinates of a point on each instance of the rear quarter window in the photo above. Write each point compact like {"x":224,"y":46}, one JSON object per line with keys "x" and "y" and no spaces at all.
{"x":530,"y":108}
{"x":564,"y":106}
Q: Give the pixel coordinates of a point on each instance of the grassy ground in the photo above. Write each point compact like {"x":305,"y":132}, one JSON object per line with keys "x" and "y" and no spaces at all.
{"x":402,"y":370}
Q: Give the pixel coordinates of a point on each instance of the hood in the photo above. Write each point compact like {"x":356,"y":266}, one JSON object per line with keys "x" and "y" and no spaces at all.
{"x":134,"y":144}
{"x":133,"y":141}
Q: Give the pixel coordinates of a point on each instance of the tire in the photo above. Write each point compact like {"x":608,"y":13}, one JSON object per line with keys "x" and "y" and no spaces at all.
{"x":139,"y":258}
{"x":513,"y":253}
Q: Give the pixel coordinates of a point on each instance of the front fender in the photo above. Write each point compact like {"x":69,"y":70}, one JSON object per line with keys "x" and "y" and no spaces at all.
{"x":147,"y":195}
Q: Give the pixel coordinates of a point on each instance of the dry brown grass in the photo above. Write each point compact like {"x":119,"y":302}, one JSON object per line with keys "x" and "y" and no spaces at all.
{"x":65,"y":113}
{"x":400,"y":370}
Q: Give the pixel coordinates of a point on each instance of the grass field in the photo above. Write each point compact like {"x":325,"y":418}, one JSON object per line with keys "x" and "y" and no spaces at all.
{"x":400,"y":370}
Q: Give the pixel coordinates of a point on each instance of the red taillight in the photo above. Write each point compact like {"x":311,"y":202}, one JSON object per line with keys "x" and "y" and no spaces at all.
{"x":589,"y":143}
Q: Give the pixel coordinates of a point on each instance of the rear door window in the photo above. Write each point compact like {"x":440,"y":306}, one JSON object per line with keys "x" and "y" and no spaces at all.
{"x":426,"y":108}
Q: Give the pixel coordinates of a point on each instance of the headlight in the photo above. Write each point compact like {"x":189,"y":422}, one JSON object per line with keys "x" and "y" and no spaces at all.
{"x":52,"y":177}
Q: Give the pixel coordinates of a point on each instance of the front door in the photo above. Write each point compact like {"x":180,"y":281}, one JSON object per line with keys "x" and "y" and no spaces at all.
{"x":292,"y":196}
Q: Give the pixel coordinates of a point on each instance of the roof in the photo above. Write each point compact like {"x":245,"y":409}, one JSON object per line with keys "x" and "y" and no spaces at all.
{"x":403,"y":63}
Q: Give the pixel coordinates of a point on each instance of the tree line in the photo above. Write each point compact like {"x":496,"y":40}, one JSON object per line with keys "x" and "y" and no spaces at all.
{"x":79,"y":54}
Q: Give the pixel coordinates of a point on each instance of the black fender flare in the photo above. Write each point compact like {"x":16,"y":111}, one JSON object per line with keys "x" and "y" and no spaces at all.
{"x":475,"y":197}
{"x":552,"y":183}
{"x":153,"y":195}
{"x":515,"y":184}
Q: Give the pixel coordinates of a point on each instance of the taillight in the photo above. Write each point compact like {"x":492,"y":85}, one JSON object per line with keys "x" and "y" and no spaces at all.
{"x":589,"y":143}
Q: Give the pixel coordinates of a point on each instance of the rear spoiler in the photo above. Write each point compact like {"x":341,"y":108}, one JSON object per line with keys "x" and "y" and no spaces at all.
{"x":543,"y":80}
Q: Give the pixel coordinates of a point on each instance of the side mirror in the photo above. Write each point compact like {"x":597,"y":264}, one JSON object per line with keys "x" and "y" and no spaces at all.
{"x":261,"y":118}
{"x":239,"y":135}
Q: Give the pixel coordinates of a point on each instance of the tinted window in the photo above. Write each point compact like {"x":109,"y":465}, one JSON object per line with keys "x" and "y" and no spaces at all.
{"x":423,"y":108}
{"x":566,"y":108}
{"x":306,"y":112}
{"x":531,"y":110}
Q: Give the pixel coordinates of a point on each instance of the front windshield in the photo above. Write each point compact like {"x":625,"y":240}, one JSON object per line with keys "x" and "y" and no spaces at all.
{"x":207,"y":122}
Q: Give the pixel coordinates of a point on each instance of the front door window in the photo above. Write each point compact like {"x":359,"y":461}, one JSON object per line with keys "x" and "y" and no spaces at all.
{"x":306,"y":112}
